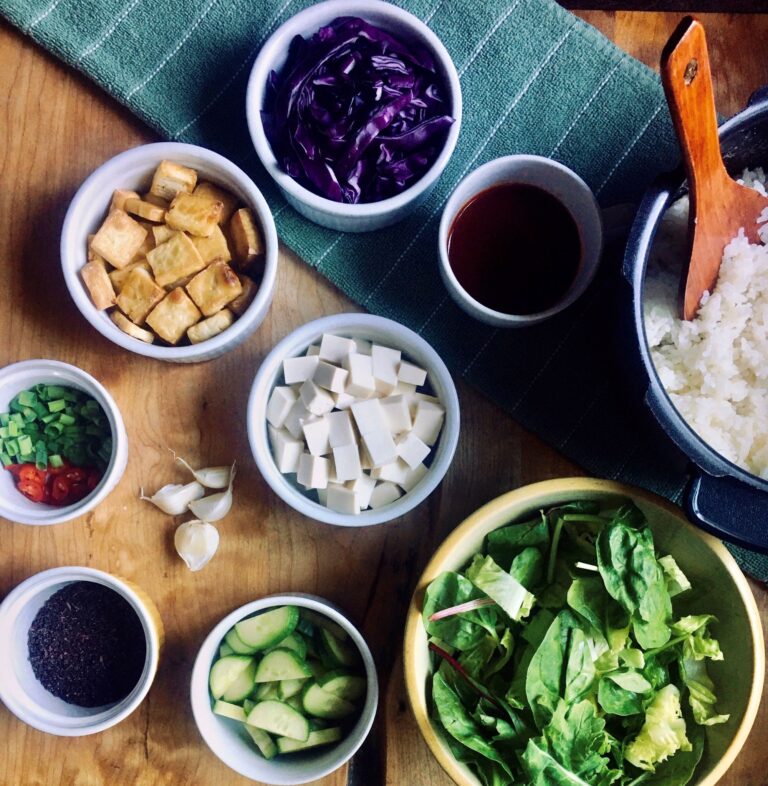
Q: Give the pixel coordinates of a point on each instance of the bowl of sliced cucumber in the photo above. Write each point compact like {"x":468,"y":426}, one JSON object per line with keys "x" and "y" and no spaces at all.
{"x":284,"y":689}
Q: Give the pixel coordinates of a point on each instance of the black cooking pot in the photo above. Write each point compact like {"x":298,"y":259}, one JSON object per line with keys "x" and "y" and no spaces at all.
{"x":721,"y":498}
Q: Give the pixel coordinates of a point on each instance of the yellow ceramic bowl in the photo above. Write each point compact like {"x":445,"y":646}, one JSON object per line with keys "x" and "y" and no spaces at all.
{"x":719,"y":586}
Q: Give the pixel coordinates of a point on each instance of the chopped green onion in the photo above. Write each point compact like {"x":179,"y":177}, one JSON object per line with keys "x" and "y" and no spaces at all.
{"x":55,"y":460}
{"x":41,"y":455}
{"x":57,"y":405}
{"x":25,"y":444}
{"x":27,"y":398}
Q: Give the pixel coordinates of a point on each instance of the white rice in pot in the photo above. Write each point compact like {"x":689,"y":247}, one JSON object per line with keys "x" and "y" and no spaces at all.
{"x":715,"y":367}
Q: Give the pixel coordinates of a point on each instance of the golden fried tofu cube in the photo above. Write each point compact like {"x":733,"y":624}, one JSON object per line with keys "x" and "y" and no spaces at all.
{"x":247,"y":241}
{"x":216,"y":194}
{"x":214,"y":287}
{"x":174,"y":259}
{"x":194,"y":214}
{"x":161,"y":233}
{"x":97,"y":281}
{"x":128,"y":327}
{"x":119,"y":198}
{"x":138,"y":207}
{"x":119,"y":238}
{"x":208,"y":328}
{"x":92,"y":255}
{"x":172,"y":317}
{"x":147,"y":245}
{"x":171,"y":178}
{"x":156,"y":200}
{"x":245,"y":298}
{"x":139,"y":295}
{"x":119,"y":277}
{"x":212,"y":247}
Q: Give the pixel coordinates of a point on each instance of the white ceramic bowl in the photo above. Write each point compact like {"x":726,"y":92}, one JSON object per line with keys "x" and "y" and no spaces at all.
{"x":225,"y":738}
{"x":20,"y":690}
{"x":559,"y":181}
{"x":21,"y":376}
{"x":272,"y":57}
{"x":390,"y":334}
{"x":133,"y":170}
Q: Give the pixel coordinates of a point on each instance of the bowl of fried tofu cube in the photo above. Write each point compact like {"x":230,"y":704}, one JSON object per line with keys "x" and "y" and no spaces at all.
{"x":170,"y":251}
{"x":353,"y":419}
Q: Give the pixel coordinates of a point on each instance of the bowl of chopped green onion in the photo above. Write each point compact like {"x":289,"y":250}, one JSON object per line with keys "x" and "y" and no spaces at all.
{"x":63,"y":445}
{"x":580,"y":631}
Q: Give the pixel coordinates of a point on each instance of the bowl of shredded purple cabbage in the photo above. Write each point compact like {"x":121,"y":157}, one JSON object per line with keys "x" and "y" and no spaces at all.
{"x":354,"y":109}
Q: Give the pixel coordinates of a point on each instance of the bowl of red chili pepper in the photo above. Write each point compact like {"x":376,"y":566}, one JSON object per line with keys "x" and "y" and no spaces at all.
{"x":63,"y":445}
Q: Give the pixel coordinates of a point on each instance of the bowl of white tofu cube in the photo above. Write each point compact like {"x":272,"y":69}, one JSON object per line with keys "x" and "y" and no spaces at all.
{"x":170,"y":251}
{"x":353,"y":419}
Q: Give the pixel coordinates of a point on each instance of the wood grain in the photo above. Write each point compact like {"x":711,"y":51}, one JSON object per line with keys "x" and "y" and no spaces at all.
{"x":56,"y":128}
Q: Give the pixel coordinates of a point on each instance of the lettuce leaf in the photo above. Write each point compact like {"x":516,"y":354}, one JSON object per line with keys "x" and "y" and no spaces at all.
{"x":662,"y":734}
{"x":499,"y":585}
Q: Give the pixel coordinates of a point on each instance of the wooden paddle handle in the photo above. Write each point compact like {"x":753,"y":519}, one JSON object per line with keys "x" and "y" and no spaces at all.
{"x":687,"y":80}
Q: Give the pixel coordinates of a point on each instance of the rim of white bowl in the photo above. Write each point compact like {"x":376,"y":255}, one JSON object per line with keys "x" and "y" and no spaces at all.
{"x":29,"y":711}
{"x":397,"y":335}
{"x":67,"y":374}
{"x":317,"y":15}
{"x":72,"y":233}
{"x":200,"y":696}
{"x":590,"y":235}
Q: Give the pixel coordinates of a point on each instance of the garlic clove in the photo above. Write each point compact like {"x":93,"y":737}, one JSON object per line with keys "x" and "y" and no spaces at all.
{"x":196,"y":542}
{"x":211,"y":477}
{"x":175,"y":498}
{"x":215,"y":506}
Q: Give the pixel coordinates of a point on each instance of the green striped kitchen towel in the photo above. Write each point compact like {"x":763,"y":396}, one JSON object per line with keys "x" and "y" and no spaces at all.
{"x":535,"y":79}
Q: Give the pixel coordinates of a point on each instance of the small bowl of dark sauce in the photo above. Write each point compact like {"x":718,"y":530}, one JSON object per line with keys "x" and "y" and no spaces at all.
{"x":83,"y":648}
{"x":520,"y":240}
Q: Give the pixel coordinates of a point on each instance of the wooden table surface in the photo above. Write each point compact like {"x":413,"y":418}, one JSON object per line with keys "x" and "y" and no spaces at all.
{"x":55,"y":128}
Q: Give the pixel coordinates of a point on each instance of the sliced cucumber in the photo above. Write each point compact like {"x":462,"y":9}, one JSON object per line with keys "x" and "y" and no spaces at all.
{"x":322,"y":704}
{"x":280,"y":719}
{"x":233,"y":640}
{"x":263,"y":741}
{"x":323,"y":622}
{"x":281,"y":665}
{"x":225,"y":671}
{"x":248,"y":705}
{"x":266,"y":630}
{"x":227,"y":710}
{"x":343,"y":684}
{"x":315,"y":724}
{"x":290,"y":688}
{"x":295,"y":702}
{"x":320,"y":737}
{"x":296,"y":642}
{"x":243,"y":685}
{"x":266,"y":690}
{"x":225,"y":650}
{"x":317,"y":668}
{"x":339,"y":652}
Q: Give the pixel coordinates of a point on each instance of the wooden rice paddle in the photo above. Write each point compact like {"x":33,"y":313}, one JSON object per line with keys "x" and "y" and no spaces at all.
{"x":719,"y":205}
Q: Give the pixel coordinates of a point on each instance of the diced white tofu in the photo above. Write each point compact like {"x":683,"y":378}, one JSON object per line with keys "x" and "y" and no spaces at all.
{"x":285,"y":449}
{"x":414,"y":477}
{"x":403,"y":388}
{"x":411,"y":374}
{"x":330,"y":377}
{"x":385,"y":364}
{"x":381,"y":447}
{"x":332,"y":476}
{"x":316,"y":400}
{"x":342,"y":432}
{"x":363,"y":347}
{"x":369,"y":416}
{"x":299,"y":369}
{"x":322,"y":496}
{"x":397,"y":413}
{"x":411,"y":449}
{"x":415,"y":398}
{"x":363,"y":488}
{"x":346,"y":459}
{"x":313,"y":349}
{"x":428,"y":421}
{"x":279,"y":405}
{"x":365,"y":458}
{"x":360,"y":382}
{"x":341,"y":499}
{"x":343,"y":400}
{"x":316,"y":436}
{"x":334,"y":349}
{"x":396,"y":472}
{"x":313,"y":471}
{"x":296,"y":414}
{"x":384,"y":494}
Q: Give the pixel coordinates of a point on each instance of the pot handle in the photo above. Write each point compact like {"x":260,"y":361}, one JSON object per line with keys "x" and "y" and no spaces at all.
{"x":759,"y":96}
{"x":729,"y":509}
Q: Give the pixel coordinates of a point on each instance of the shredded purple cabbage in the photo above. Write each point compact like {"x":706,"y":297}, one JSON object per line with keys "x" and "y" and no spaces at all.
{"x":355,"y":115}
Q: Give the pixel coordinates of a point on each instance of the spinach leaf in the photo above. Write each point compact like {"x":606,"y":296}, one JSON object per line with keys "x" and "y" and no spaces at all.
{"x":462,"y":631}
{"x":506,"y":646}
{"x":497,"y":584}
{"x":580,"y":668}
{"x":504,"y":544}
{"x":476,"y":659}
{"x":528,"y":568}
{"x":632,"y":575}
{"x":631,"y":680}
{"x":616,"y":700}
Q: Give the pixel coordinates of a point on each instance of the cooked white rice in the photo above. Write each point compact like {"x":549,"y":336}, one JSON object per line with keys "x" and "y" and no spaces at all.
{"x":715,"y":368}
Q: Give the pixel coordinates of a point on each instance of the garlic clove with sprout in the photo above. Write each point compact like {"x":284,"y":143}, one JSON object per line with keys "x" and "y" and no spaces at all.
{"x":215,"y":506}
{"x":175,"y":498}
{"x":196,"y":542}
{"x":210,"y":477}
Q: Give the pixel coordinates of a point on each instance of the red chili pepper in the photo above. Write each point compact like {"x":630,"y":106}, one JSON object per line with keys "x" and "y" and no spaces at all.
{"x":75,"y":474}
{"x":60,"y":489}
{"x":59,"y":486}
{"x":31,"y":472}
{"x":33,"y":490}
{"x":94,"y":478}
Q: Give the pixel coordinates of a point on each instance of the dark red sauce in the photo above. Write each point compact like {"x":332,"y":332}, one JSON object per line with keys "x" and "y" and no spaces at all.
{"x":515,"y":248}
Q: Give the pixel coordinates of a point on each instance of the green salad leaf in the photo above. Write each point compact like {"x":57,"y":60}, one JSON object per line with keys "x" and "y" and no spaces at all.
{"x":559,"y":659}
